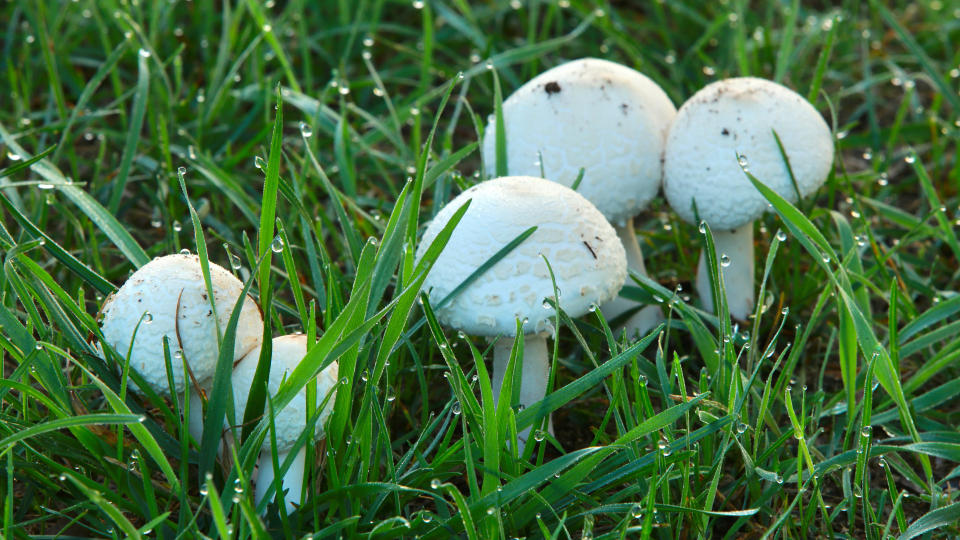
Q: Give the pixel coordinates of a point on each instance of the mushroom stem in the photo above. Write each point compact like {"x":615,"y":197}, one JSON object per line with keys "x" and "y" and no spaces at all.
{"x":737,"y":246}
{"x":195,"y":422}
{"x":292,"y":481}
{"x":533,"y":377}
{"x":649,"y":316}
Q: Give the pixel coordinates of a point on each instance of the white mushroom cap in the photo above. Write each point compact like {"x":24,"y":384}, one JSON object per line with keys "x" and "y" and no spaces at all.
{"x":161,"y":288}
{"x":587,"y":258}
{"x":594,"y":114}
{"x":738,"y":116}
{"x":287,"y":352}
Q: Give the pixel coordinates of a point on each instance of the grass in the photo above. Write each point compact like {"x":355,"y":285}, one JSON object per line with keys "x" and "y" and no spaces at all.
{"x":316,"y":139}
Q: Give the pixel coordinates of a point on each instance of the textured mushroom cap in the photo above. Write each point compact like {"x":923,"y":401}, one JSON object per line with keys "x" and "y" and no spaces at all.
{"x":287,"y":352}
{"x":587,"y":258}
{"x":160,"y":288}
{"x":739,"y":116}
{"x":607,"y":118}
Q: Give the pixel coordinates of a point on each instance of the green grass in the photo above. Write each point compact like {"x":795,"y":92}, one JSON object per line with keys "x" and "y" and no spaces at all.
{"x":318,"y":138}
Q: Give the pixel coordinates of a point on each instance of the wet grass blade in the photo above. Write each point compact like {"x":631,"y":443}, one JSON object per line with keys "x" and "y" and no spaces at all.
{"x":137,"y":113}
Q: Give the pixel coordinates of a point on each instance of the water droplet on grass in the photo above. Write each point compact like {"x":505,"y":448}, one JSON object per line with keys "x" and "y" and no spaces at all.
{"x":724,"y":260}
{"x":277,"y":245}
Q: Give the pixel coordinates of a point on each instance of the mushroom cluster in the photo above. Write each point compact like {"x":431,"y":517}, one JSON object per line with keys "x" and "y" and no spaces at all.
{"x":168,"y":299}
{"x":618,"y":132}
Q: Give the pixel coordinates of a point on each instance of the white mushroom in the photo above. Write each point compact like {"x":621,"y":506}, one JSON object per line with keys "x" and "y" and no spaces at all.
{"x":724,"y":120}
{"x":587,"y":260}
{"x":167,"y":297}
{"x":289,"y":422}
{"x":606,"y":118}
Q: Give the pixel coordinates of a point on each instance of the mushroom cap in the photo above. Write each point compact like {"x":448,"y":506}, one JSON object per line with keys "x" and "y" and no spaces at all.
{"x":738,"y":116}
{"x":594,"y":114}
{"x":587,"y":258}
{"x":161,"y":288}
{"x":286,"y":354}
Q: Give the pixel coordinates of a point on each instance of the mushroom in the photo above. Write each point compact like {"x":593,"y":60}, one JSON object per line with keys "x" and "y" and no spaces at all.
{"x":289,"y":422}
{"x":607,"y":119}
{"x":587,"y":260}
{"x":168,"y":297}
{"x":724,"y":129}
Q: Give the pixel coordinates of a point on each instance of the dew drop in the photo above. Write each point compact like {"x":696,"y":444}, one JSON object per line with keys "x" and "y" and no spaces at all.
{"x":742,"y":428}
{"x":866,"y":431}
{"x":177,"y":226}
{"x":181,"y":171}
{"x":455,"y":408}
{"x":184,"y":251}
{"x":435,"y":483}
{"x":277,"y":245}
{"x":724,"y":260}
{"x":702,"y":227}
{"x":144,"y":53}
{"x":147,"y":318}
{"x":910,"y":158}
{"x":305,"y":130}
{"x":390,"y":395}
{"x":782,"y":235}
{"x":539,"y":435}
{"x":636,"y":511}
{"x":418,"y":4}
